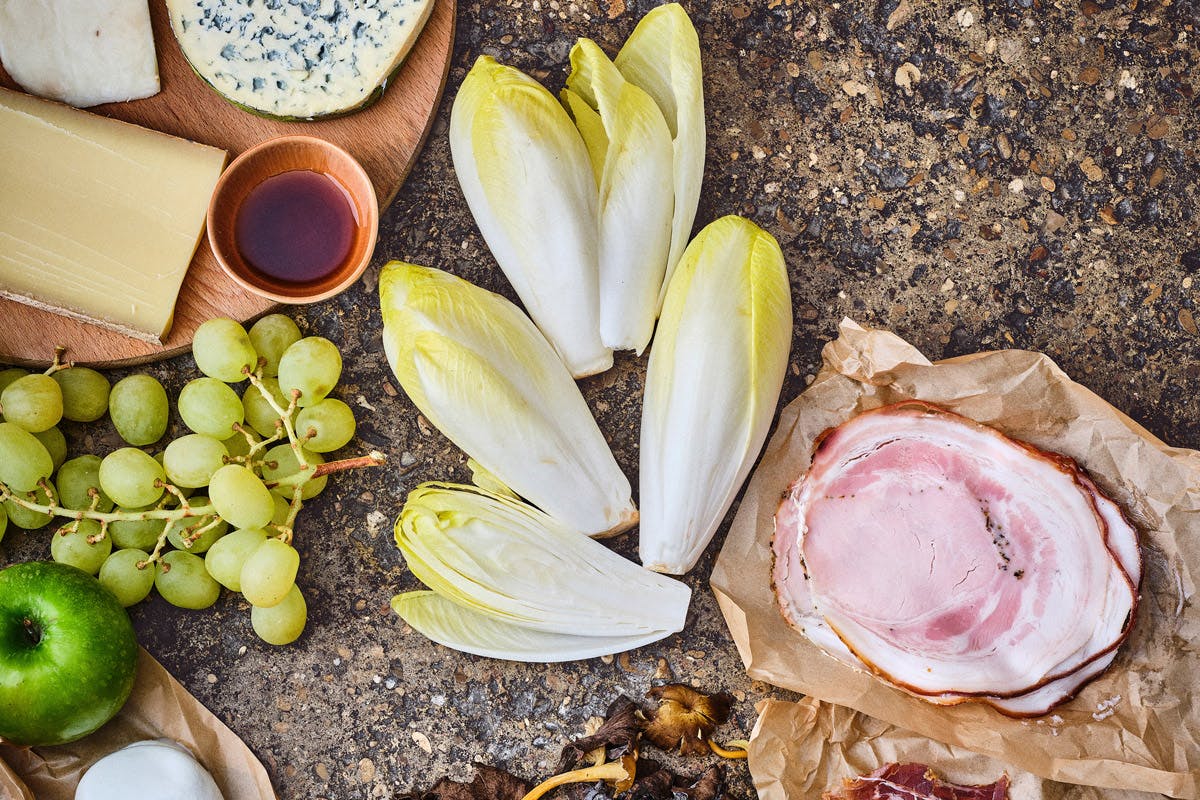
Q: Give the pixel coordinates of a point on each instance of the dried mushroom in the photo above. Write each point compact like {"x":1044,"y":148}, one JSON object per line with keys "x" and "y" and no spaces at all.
{"x":620,"y":730}
{"x":489,"y":783}
{"x":685,"y":718}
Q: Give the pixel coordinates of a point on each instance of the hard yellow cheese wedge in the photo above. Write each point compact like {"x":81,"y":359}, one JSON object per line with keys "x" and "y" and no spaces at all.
{"x":98,"y":219}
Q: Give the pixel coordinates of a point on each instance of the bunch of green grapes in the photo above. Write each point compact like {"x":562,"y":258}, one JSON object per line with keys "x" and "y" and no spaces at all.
{"x":214,"y":507}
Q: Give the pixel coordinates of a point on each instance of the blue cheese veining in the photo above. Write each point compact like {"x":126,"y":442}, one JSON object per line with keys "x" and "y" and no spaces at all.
{"x":298,"y":59}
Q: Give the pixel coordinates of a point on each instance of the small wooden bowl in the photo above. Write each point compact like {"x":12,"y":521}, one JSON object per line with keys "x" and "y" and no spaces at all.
{"x":270,"y":158}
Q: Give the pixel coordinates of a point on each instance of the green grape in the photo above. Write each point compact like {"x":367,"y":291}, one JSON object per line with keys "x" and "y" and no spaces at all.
{"x":238,"y":446}
{"x":84,"y":392}
{"x":3,"y":522}
{"x":74,"y":480}
{"x":23,"y":459}
{"x":120,"y":575}
{"x":282,"y":508}
{"x":286,"y":465}
{"x":210,"y":407}
{"x":312,"y":365}
{"x":222,"y":350}
{"x":180,"y":528}
{"x":75,"y":549}
{"x":225,"y":558}
{"x":269,"y":572}
{"x":139,"y":409}
{"x":183,"y":581}
{"x":240,"y":497}
{"x":283,"y":622}
{"x":55,"y":443}
{"x":128,"y":476}
{"x":259,"y":413}
{"x":25,"y":518}
{"x":190,"y":460}
{"x":140,"y":534}
{"x":326,"y":426}
{"x":33,"y":402}
{"x":11,"y":374}
{"x":271,"y":336}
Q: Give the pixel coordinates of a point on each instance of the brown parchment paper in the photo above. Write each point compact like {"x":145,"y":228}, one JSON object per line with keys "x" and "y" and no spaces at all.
{"x":800,"y":750}
{"x":1138,"y":725}
{"x":158,"y":708}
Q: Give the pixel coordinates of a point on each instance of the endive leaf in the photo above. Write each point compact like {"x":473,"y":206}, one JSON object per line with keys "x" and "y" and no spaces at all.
{"x":484,"y":479}
{"x":480,"y":371}
{"x":471,"y":631}
{"x":528,"y":180}
{"x":591,"y":128}
{"x":715,"y":372}
{"x":637,"y":195}
{"x":496,"y":555}
{"x":662,"y":56}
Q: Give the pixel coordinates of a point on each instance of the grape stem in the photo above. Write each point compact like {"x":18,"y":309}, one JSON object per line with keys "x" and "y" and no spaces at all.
{"x":306,"y":474}
{"x":285,"y":415}
{"x":58,"y":364}
{"x":105,"y":516}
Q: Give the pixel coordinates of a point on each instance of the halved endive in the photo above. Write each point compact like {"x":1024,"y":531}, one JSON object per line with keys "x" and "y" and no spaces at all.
{"x":527,"y":177}
{"x":480,"y":371}
{"x":632,"y":156}
{"x":509,"y":581}
{"x":716,"y":369}
{"x":662,"y":56}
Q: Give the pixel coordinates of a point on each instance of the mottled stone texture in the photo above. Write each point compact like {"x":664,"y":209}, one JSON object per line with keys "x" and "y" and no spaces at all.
{"x":974,"y":175}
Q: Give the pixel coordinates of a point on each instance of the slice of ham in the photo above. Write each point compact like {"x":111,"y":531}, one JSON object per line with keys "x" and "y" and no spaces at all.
{"x":1006,"y":575}
{"x":914,"y":782}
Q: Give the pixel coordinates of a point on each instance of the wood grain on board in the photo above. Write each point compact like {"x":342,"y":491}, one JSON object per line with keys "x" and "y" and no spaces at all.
{"x":385,"y":138}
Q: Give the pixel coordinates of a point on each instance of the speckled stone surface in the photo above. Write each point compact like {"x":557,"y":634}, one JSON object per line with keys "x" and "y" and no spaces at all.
{"x":973,"y":175}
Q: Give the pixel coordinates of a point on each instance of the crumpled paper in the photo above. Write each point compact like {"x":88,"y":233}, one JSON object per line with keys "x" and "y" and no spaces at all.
{"x":1135,"y":727}
{"x":158,"y":708}
{"x":800,"y":750}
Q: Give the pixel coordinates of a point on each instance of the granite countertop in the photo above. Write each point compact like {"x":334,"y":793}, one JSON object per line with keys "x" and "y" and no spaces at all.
{"x":976,"y":174}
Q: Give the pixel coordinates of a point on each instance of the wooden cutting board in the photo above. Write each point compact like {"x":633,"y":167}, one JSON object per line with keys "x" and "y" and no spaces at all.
{"x":386,"y":138}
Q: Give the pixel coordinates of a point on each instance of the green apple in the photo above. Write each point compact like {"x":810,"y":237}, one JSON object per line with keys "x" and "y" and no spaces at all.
{"x":67,"y":654}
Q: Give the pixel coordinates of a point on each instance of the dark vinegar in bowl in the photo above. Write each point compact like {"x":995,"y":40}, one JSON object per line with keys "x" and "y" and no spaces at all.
{"x":296,"y":227}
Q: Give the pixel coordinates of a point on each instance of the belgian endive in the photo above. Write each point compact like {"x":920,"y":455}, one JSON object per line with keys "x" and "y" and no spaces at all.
{"x":509,"y":581}
{"x":662,"y":56}
{"x":527,"y":177}
{"x":480,"y":371}
{"x":716,"y":369}
{"x":630,"y":145}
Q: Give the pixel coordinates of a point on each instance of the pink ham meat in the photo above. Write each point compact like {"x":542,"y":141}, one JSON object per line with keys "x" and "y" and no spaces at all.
{"x":914,"y":782}
{"x":954,"y":562}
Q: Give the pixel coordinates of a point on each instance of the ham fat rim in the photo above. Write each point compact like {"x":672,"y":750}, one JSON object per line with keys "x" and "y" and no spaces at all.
{"x":954,"y":562}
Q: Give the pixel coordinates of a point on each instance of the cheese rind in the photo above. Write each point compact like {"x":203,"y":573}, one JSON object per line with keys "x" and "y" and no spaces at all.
{"x":297,"y":59}
{"x":82,"y":52}
{"x":98,"y":218}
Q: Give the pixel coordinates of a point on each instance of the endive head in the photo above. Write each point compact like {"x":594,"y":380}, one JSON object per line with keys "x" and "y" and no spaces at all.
{"x":528,"y":179}
{"x":503,"y":557}
{"x":716,"y":369}
{"x":479,"y":370}
{"x":662,"y":56}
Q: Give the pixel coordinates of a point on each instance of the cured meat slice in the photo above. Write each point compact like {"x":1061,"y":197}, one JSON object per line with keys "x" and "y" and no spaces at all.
{"x":914,"y":782}
{"x":953,"y":561}
{"x":1122,"y":540}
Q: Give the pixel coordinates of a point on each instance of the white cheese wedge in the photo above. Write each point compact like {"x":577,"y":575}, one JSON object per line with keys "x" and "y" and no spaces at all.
{"x":98,"y":218}
{"x":297,"y":59}
{"x":82,"y":52}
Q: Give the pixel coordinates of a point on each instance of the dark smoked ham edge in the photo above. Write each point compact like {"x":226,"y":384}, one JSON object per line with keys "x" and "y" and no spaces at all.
{"x":914,"y":782}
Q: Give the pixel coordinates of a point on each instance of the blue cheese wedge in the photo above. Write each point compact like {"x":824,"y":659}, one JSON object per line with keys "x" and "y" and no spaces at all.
{"x":297,"y":59}
{"x":82,"y":52}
